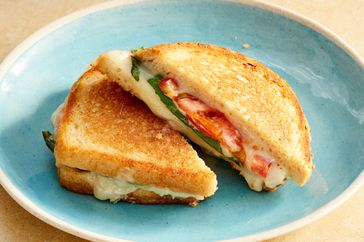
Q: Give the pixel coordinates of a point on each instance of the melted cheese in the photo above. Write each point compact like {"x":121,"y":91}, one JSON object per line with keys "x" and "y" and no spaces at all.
{"x":107,"y":188}
{"x":276,"y":175}
{"x":56,"y":115}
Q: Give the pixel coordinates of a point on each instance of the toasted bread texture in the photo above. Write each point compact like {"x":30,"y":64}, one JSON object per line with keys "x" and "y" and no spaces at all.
{"x":255,"y":99}
{"x":104,"y":129}
{"x":77,"y":180}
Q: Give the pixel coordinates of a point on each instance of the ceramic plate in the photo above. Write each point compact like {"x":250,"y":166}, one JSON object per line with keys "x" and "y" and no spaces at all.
{"x":327,"y":76}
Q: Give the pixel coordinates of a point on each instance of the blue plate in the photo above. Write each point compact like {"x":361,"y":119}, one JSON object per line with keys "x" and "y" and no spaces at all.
{"x":327,"y":76}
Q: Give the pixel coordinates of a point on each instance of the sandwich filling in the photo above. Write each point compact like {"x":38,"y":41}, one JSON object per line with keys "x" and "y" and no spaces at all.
{"x":113,"y":189}
{"x":109,"y":188}
{"x":203,"y":124}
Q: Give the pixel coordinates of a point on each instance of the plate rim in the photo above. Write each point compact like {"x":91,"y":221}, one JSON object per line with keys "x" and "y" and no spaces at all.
{"x":38,"y":212}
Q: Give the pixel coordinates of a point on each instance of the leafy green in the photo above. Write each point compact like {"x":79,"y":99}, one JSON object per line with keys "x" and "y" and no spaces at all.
{"x":233,"y":159}
{"x":172,"y":107}
{"x":49,"y":140}
{"x":135,"y":72}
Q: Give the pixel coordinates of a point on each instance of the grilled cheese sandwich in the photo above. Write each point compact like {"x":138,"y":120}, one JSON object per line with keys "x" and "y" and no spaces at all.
{"x":231,"y":105}
{"x":109,"y":144}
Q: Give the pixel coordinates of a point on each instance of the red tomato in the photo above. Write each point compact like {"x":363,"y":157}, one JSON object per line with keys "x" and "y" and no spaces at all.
{"x":211,"y":122}
{"x":169,"y":87}
{"x":260,"y":166}
{"x":207,"y":120}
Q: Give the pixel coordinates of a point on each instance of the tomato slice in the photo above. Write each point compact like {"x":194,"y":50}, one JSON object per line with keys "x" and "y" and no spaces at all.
{"x":260,"y":165}
{"x":169,"y":87}
{"x":211,"y":122}
{"x":207,"y":120}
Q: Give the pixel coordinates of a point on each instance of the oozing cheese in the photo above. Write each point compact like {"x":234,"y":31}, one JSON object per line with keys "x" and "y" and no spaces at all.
{"x":107,"y":188}
{"x":56,"y":115}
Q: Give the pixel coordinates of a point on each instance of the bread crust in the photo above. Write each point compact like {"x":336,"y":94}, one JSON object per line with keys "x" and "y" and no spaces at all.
{"x":76,"y":180}
{"x":255,"y":99}
{"x":105,"y":130}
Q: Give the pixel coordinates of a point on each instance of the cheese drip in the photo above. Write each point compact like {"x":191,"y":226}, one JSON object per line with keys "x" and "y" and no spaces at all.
{"x":107,"y":188}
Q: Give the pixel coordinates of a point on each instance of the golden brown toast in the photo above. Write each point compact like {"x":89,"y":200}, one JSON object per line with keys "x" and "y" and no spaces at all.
{"x":105,"y":130}
{"x":254,"y":97}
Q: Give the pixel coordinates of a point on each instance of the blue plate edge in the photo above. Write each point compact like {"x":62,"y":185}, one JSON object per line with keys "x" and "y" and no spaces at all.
{"x":68,"y":227}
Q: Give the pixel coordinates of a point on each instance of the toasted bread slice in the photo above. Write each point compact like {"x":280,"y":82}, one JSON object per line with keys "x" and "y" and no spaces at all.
{"x":258,"y":102}
{"x":104,"y":130}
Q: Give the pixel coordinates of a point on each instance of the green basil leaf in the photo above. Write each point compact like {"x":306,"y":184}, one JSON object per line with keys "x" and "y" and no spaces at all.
{"x":49,"y":140}
{"x":172,"y":107}
{"x":135,"y":72}
{"x":233,"y":159}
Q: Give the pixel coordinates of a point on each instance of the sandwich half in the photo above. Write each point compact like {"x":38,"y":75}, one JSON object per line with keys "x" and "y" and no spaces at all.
{"x":229,"y":104}
{"x":108,"y":143}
